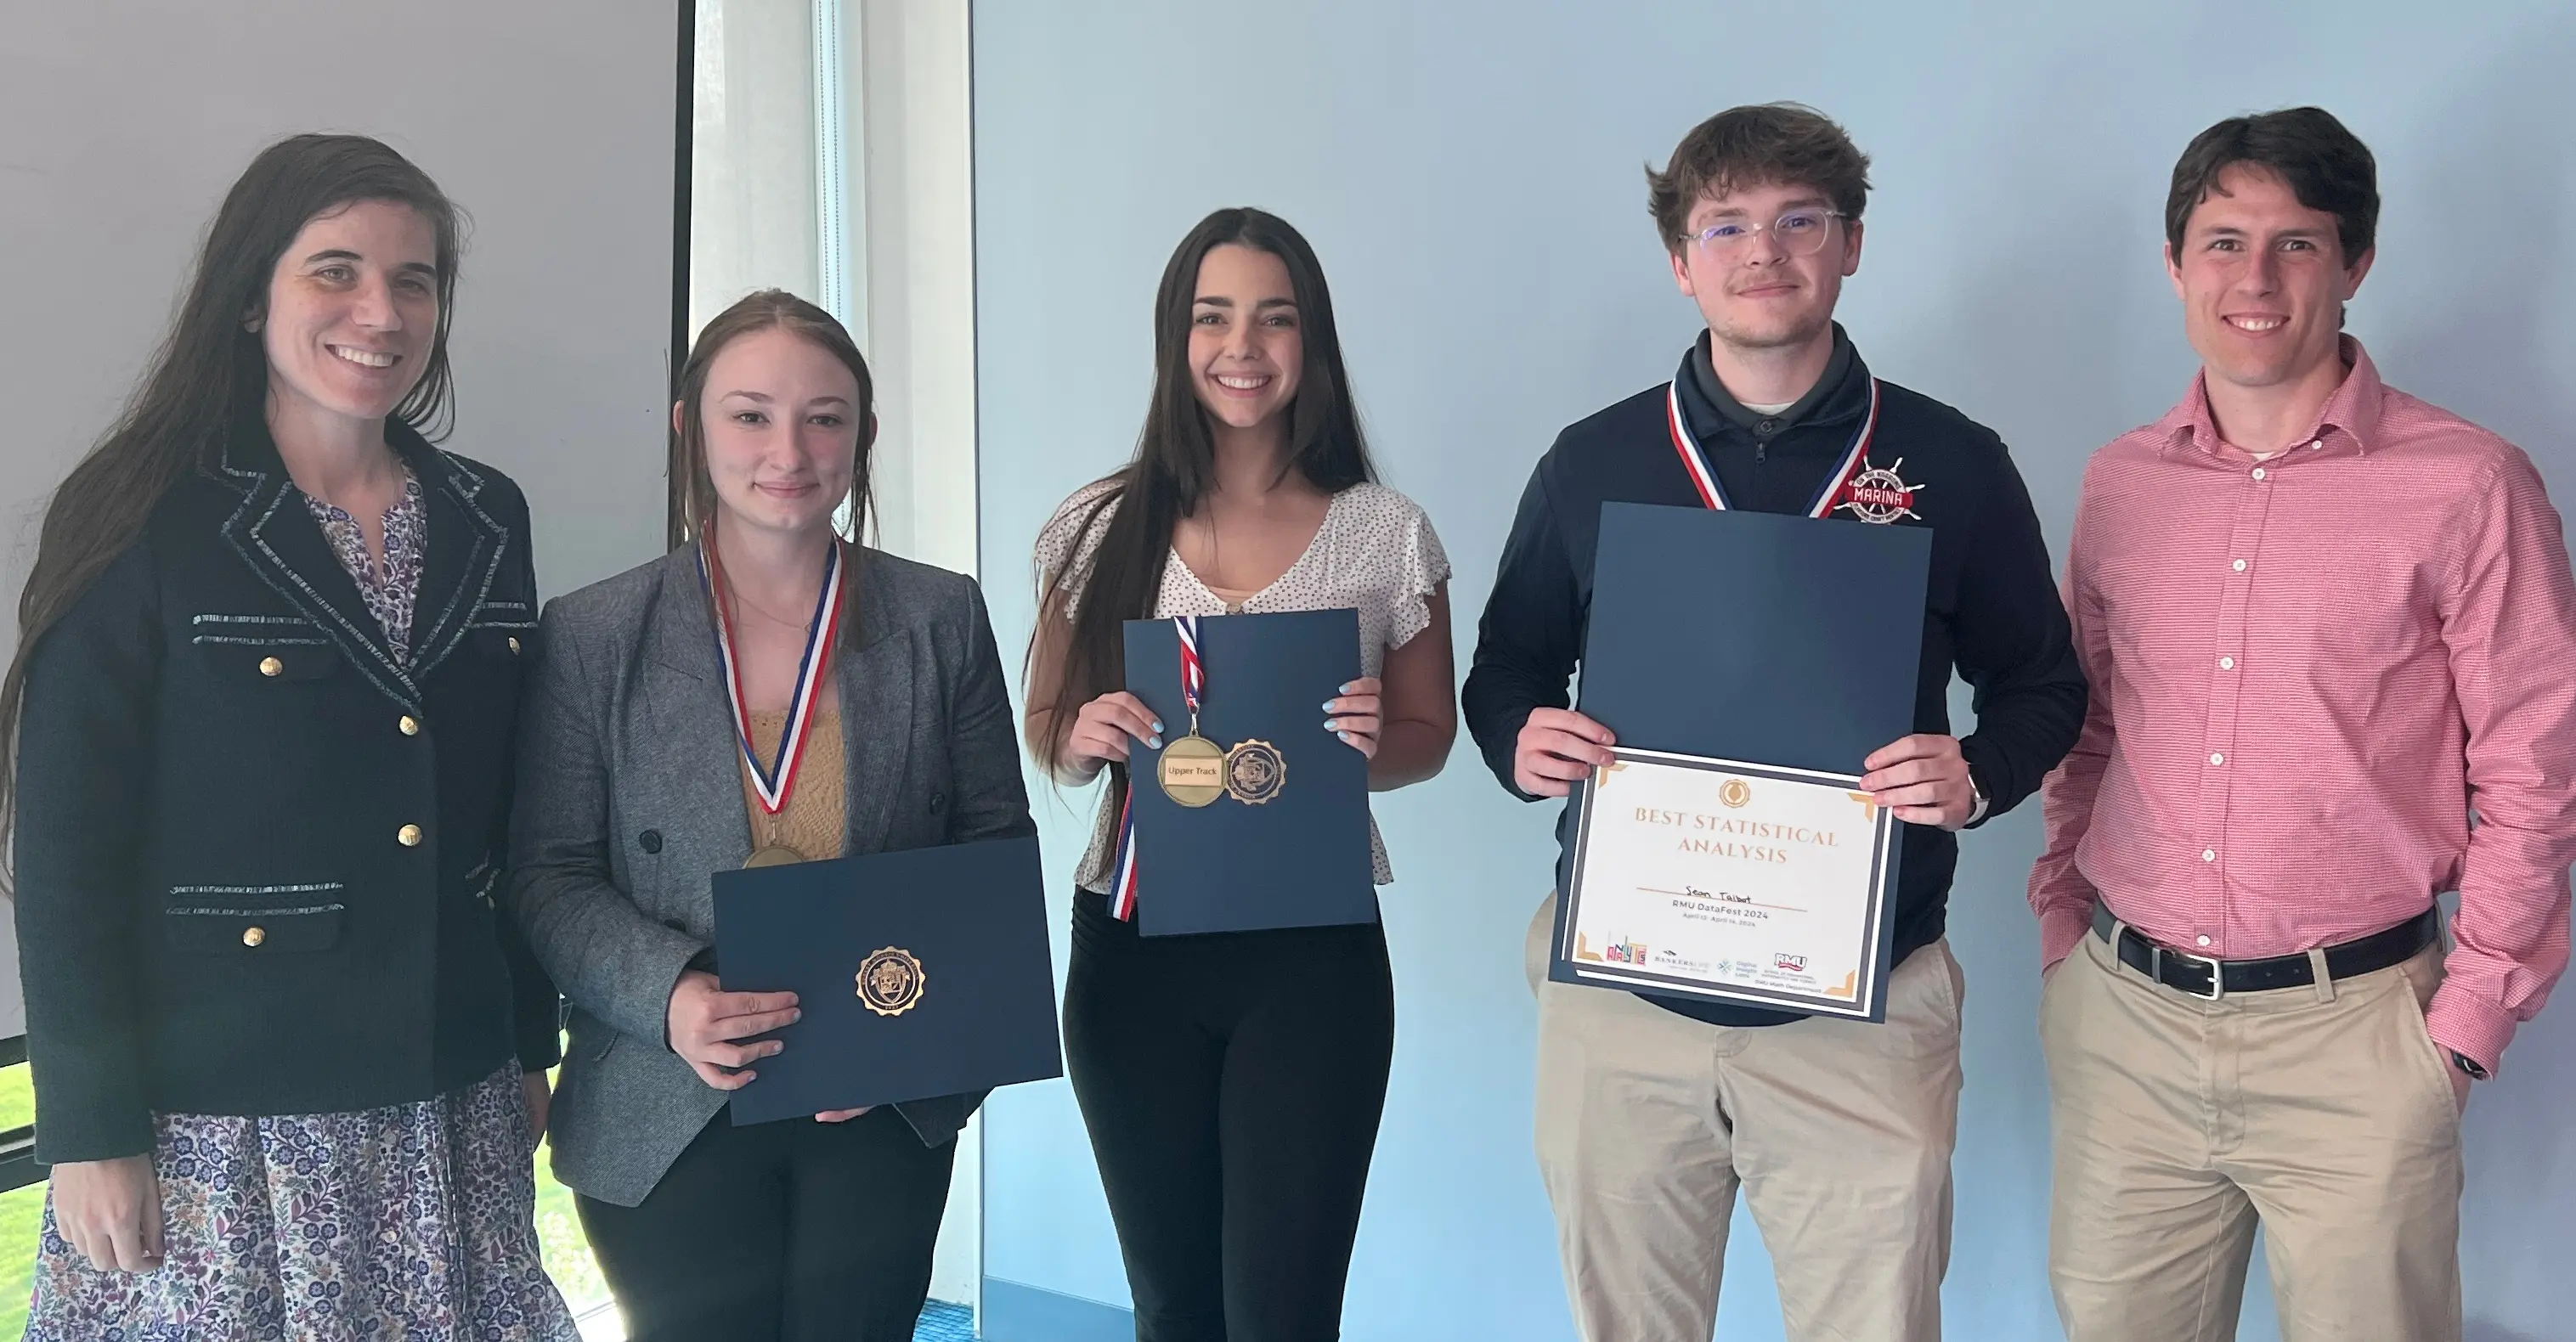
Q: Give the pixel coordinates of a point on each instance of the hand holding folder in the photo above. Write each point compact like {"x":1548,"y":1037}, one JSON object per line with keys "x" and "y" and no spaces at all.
{"x":918,"y":974}
{"x":1747,"y":663}
{"x":1265,"y":820}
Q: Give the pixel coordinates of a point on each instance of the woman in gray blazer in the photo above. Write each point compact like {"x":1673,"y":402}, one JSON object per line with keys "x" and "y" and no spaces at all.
{"x":763,"y":693}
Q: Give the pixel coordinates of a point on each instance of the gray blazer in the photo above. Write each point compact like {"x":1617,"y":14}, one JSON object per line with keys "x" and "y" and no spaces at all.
{"x":630,"y":797}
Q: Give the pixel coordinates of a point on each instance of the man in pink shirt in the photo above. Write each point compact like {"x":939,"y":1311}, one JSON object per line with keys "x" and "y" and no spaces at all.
{"x":2329,"y":630}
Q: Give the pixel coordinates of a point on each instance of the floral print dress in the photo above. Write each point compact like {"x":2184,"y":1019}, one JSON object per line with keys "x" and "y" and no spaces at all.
{"x":411,"y":1223}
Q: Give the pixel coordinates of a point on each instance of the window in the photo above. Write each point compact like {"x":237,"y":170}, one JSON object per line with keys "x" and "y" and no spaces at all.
{"x":756,"y":186}
{"x":831,"y":156}
{"x":22,"y":1187}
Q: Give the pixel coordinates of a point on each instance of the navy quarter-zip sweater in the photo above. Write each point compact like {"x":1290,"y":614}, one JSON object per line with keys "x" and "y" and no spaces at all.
{"x":1991,"y":609}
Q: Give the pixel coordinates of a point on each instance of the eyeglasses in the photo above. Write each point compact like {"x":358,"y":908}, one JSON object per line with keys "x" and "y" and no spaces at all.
{"x":1799,"y":233}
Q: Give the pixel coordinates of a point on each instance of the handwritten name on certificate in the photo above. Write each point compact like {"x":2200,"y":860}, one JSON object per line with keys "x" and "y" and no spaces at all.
{"x":1741,"y":882}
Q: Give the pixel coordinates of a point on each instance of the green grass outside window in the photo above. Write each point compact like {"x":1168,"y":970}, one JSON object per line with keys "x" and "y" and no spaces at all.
{"x":22,"y":1212}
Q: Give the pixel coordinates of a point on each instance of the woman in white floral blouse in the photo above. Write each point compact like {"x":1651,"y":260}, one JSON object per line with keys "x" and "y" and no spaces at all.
{"x":1233,"y":1082}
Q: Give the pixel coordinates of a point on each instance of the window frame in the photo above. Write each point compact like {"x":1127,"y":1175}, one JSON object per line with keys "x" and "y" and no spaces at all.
{"x":18,"y":1167}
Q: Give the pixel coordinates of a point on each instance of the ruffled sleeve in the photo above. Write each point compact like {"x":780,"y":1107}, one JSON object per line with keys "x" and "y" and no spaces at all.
{"x":1066,"y":545}
{"x":1421,"y":565}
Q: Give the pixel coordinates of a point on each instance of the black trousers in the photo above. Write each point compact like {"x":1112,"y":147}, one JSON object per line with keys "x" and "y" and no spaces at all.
{"x":794,"y":1231}
{"x":1232,"y":1084}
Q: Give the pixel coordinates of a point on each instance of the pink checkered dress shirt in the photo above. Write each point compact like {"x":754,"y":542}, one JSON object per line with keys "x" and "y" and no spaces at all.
{"x":2306,"y":673}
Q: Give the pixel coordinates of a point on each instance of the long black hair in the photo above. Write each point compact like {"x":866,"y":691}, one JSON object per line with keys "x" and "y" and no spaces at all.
{"x":211,"y":375}
{"x":1175,"y":463}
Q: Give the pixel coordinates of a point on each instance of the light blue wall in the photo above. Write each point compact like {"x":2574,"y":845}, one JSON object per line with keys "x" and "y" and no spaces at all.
{"x":1470,"y":175}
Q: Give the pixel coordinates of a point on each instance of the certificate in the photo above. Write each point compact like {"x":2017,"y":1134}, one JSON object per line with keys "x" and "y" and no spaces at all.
{"x":1731,"y":881}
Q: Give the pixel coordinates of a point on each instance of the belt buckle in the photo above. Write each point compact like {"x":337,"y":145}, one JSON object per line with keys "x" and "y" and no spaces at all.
{"x":2217,"y":979}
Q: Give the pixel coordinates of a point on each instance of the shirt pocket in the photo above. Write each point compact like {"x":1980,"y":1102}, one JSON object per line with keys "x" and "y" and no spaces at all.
{"x":502,"y":629}
{"x":243,"y":654}
{"x":249,"y":920}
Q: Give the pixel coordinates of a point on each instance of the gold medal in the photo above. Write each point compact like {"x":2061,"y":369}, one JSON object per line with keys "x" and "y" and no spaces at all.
{"x":1255,"y":772}
{"x":1192,"y":770}
{"x":771,"y":784}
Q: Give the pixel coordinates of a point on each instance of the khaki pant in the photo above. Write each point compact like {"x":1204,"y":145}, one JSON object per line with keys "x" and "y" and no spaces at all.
{"x":2324,"y":1113}
{"x":1839,"y":1133}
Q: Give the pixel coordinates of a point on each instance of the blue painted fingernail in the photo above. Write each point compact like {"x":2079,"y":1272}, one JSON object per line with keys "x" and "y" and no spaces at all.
{"x":1328,"y":705}
{"x":1346,"y":737}
{"x":1346,"y":687}
{"x":1156,"y":740}
{"x":1158,"y":724}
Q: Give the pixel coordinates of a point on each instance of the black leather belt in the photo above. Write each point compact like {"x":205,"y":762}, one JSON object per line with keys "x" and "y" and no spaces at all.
{"x":2210,"y":978}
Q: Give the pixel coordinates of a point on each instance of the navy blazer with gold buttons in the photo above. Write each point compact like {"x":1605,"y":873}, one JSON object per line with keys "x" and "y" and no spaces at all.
{"x":258,"y":853}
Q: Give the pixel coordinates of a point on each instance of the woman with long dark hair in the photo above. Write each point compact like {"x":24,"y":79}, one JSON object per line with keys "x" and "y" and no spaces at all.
{"x":767,"y":692}
{"x":289,"y":1061}
{"x":1233,"y":1082}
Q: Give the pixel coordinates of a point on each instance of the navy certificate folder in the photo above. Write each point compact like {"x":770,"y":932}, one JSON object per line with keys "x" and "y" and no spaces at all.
{"x":1299,"y":859}
{"x":921,"y":973}
{"x":1762,"y":637}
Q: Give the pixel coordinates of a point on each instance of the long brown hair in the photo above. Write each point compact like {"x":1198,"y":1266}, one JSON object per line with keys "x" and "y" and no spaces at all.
{"x":210,"y":376}
{"x":1175,"y":462}
{"x":693,"y":489}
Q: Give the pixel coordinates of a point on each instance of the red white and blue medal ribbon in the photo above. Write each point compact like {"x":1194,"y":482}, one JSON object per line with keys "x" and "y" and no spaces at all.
{"x":1122,"y":873}
{"x":1193,"y":675}
{"x":1122,"y":870}
{"x":1855,"y":458}
{"x":774,"y":782}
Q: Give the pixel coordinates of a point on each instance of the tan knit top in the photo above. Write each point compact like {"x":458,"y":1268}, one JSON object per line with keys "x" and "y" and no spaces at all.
{"x":817,"y":817}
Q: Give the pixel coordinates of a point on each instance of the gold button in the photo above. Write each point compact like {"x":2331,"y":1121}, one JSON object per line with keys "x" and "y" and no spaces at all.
{"x":409,"y":835}
{"x":514,"y":642}
{"x":252,"y":936}
{"x":269,"y":666}
{"x":410,"y":725}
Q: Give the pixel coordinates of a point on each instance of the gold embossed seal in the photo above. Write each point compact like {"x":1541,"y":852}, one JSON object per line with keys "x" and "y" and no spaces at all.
{"x":890,"y":981}
{"x":1255,"y":772}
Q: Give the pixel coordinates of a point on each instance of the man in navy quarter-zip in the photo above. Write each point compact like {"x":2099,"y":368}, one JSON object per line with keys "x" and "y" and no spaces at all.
{"x":1653,"y":1110}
